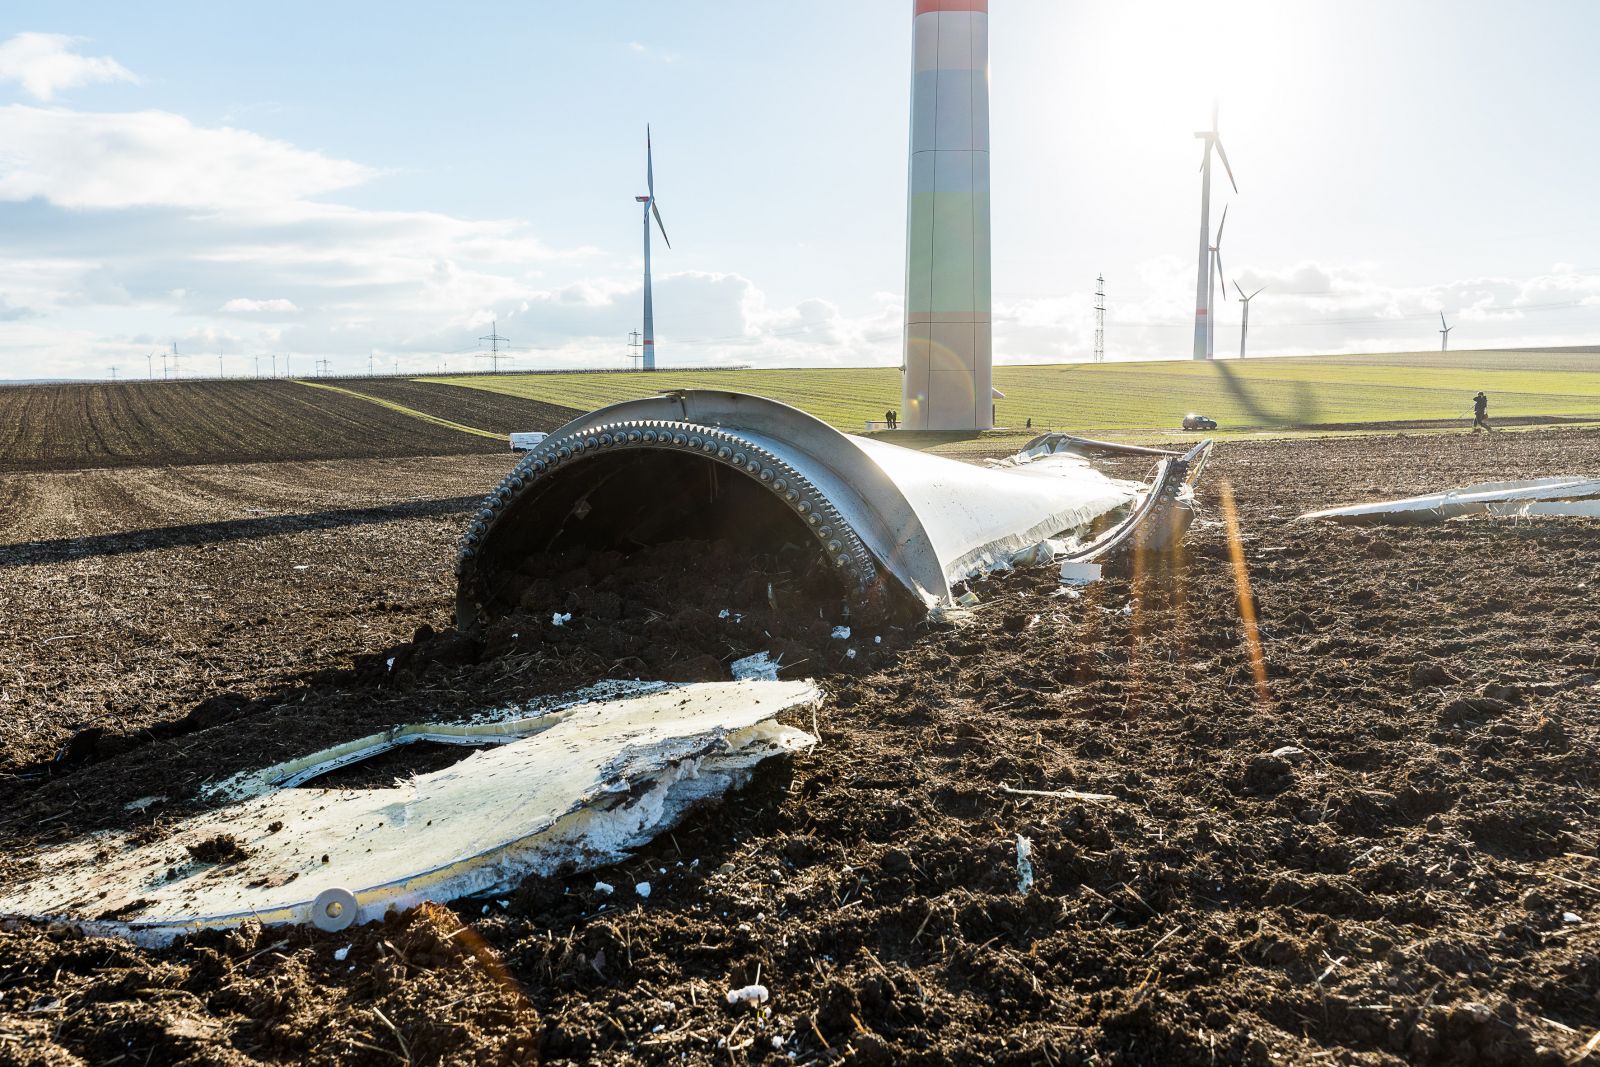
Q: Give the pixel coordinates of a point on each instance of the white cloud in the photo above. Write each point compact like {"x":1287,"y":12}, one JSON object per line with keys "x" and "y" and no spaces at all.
{"x":9,"y":313}
{"x":43,"y":64}
{"x":79,"y":159}
{"x":245,"y":305}
{"x":651,"y":52}
{"x":1307,"y":308}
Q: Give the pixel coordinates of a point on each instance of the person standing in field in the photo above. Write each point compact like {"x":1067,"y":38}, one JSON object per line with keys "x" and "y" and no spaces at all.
{"x":1480,"y":413}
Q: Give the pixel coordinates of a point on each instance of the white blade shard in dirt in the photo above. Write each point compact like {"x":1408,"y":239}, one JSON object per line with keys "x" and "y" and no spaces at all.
{"x":896,"y":524}
{"x":577,"y":786}
{"x":1567,"y":497}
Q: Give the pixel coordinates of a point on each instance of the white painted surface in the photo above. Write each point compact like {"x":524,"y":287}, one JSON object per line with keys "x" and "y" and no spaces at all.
{"x":590,"y":783}
{"x":1560,"y":496}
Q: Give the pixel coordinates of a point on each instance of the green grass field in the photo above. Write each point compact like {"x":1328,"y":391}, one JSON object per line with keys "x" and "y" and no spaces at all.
{"x":1282,"y":395}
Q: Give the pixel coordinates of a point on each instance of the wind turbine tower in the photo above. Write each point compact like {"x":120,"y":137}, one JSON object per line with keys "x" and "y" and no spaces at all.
{"x":649,"y":202}
{"x":1202,"y":298}
{"x":1214,"y":275}
{"x":1244,"y":324}
{"x":947,"y":369}
{"x":1444,"y":334}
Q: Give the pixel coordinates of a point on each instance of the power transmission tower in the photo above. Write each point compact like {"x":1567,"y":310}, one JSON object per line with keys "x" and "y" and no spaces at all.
{"x":495,"y":341}
{"x":176,"y":373}
{"x":638,"y":348}
{"x":1100,"y":319}
{"x":113,"y":372}
{"x":322,"y":367}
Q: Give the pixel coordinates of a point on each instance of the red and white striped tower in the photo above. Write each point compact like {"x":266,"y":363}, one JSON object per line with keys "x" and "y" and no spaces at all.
{"x":948,"y":349}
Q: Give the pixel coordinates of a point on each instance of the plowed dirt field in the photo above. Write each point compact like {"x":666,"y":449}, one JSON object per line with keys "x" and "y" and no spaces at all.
{"x":73,"y":427}
{"x":498,"y":412}
{"x":1388,"y":855}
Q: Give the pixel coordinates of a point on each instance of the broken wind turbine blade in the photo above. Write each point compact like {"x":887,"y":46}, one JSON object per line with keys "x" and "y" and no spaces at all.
{"x":1565,"y":497}
{"x":897,"y":525}
{"x":576,"y":787}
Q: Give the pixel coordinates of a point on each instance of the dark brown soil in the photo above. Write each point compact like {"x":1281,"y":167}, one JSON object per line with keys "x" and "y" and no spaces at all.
{"x":1385,"y":854}
{"x":140,"y":424}
{"x":1451,"y":424}
{"x":157,"y":600}
{"x":684,"y":611}
{"x":481,"y":408}
{"x":219,"y":849}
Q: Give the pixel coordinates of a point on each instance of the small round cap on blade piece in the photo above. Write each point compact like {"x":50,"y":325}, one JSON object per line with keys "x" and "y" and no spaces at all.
{"x":333,"y":910}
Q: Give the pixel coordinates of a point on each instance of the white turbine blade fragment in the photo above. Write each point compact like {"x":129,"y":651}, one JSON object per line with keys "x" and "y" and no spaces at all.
{"x":978,"y":518}
{"x":1024,"y":864}
{"x":649,"y":163}
{"x":759,"y":667}
{"x":1564,"y":509}
{"x":1564,"y":496}
{"x":582,"y":790}
{"x":1080,"y":573}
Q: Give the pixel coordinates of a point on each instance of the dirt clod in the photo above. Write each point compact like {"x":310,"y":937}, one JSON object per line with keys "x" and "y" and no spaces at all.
{"x":219,"y":849}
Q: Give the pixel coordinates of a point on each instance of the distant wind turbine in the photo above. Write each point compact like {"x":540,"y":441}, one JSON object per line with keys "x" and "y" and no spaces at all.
{"x":1244,"y":323}
{"x":649,"y":202}
{"x":1203,"y":295}
{"x":1214,"y":273}
{"x":1444,"y":334}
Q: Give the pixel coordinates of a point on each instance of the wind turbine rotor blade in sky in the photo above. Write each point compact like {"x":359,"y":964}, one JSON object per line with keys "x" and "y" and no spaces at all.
{"x":1241,"y":292}
{"x":1258,"y":292}
{"x":649,"y":162}
{"x":1222,"y":154}
{"x":659,"y":224}
{"x":1443,"y":323}
{"x":1223,"y":225}
{"x":1220,"y":276}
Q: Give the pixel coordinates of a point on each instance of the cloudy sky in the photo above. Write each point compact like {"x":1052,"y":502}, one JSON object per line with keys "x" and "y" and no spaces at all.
{"x":384,"y":181}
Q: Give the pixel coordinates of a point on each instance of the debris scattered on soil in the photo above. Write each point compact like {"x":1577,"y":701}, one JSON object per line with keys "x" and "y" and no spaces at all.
{"x":1080,"y":573}
{"x":1548,"y":497}
{"x":1408,"y":876}
{"x":759,"y":665}
{"x":752,"y":995}
{"x":1024,"y":864}
{"x":682,"y":611}
{"x":576,"y":788}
